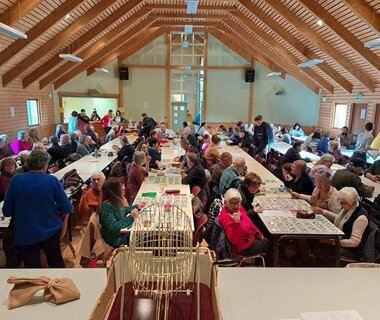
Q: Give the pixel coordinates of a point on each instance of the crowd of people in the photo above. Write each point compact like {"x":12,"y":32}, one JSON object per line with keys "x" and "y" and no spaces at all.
{"x":213,"y":177}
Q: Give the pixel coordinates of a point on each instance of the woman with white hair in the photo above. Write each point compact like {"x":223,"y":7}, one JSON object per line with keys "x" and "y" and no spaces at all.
{"x":5,"y":147}
{"x":59,"y":130}
{"x":112,"y":134}
{"x":352,"y":219}
{"x":239,"y":229}
{"x":324,"y":196}
{"x":21,"y":143}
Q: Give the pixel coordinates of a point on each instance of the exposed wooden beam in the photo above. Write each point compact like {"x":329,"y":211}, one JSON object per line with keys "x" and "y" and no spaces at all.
{"x":113,"y":46}
{"x":340,"y":30}
{"x":363,"y":10}
{"x":97,"y":46}
{"x":77,"y":44}
{"x":182,"y":23}
{"x":184,"y":15}
{"x":203,"y":6}
{"x":226,"y":34}
{"x":38,"y":29}
{"x":289,"y":69}
{"x":18,"y":11}
{"x":320,"y":43}
{"x":126,"y":51}
{"x":281,"y":50}
{"x":60,"y":38}
{"x":296,"y":44}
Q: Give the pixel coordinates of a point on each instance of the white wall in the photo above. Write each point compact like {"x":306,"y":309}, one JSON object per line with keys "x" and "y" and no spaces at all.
{"x":145,"y":91}
{"x":227,"y":96}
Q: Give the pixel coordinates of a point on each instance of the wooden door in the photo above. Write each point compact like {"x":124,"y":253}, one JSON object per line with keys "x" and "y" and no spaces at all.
{"x":376,"y":129}
{"x":358,"y":117}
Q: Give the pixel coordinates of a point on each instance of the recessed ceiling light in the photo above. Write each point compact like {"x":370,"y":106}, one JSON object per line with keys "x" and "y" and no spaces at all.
{"x":320,"y":23}
{"x":67,"y":16}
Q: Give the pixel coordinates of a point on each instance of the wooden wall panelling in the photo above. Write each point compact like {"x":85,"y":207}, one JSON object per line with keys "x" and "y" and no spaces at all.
{"x":17,"y":11}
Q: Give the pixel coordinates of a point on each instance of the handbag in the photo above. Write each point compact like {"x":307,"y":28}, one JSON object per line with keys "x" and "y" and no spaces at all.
{"x":71,"y":179}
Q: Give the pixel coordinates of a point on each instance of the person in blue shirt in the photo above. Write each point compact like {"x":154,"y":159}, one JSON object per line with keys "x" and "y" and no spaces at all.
{"x":323,"y":144}
{"x":296,"y":131}
{"x":35,"y":201}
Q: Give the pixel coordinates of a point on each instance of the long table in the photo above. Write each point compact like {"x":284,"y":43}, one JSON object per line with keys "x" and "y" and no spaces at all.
{"x":275,"y":293}
{"x":283,"y":147}
{"x":90,"y":283}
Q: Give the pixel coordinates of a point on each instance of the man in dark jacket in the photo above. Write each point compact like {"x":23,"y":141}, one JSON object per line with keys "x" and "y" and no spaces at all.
{"x":56,"y":152}
{"x":349,"y":177}
{"x":147,"y":126}
{"x":262,"y":136}
{"x":299,"y":181}
{"x":293,"y":154}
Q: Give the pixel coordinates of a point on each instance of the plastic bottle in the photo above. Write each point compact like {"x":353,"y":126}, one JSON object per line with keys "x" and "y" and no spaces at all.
{"x":92,"y":263}
{"x":96,"y":153}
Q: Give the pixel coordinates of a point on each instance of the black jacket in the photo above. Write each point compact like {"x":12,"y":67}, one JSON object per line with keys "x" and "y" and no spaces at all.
{"x":303,"y":185}
{"x":196,"y":176}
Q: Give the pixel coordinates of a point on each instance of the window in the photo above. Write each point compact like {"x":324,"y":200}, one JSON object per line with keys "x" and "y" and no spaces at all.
{"x":33,"y":112}
{"x":340,"y":115}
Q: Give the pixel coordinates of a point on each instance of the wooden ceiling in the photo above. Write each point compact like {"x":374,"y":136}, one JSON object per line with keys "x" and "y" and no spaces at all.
{"x":279,"y":33}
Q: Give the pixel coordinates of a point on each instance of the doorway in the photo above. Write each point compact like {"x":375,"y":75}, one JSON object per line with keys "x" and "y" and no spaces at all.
{"x":358,"y":117}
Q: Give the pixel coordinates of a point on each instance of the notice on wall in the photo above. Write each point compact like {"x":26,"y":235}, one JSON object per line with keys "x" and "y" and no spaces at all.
{"x":146,"y":105}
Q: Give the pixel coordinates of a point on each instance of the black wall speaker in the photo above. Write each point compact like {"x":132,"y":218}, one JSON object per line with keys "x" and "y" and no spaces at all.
{"x":249,"y":75}
{"x":123,"y":73}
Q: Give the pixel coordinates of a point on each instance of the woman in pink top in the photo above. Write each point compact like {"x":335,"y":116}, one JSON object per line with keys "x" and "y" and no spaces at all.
{"x":21,"y":143}
{"x":239,"y":229}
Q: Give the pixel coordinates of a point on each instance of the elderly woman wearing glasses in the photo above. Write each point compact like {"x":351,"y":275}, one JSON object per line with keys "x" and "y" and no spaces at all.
{"x":239,"y":229}
{"x":324,"y":196}
{"x":352,"y":220}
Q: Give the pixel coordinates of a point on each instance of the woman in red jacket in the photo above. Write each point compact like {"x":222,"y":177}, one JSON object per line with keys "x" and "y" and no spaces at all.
{"x":106,"y":121}
{"x":239,"y":229}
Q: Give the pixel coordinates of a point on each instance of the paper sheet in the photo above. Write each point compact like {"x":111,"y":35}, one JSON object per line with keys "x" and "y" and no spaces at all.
{"x":332,"y":315}
{"x":276,"y":213}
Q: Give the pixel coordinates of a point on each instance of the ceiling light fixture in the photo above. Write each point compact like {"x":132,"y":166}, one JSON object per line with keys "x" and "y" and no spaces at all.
{"x":70,"y":57}
{"x":188,"y":29}
{"x":192,"y":6}
{"x":373,"y":43}
{"x":12,"y":32}
{"x":101,"y":70}
{"x":320,"y":23}
{"x":274,"y":74}
{"x":67,"y":16}
{"x":310,"y":63}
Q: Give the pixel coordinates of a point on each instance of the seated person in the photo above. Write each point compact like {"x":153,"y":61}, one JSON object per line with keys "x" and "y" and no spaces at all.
{"x":115,"y":214}
{"x":235,"y":137}
{"x":21,"y":143}
{"x":56,"y":152}
{"x":231,"y":176}
{"x":240,"y":231}
{"x":346,"y":139}
{"x":83,"y":146}
{"x":113,"y":133}
{"x":352,"y":220}
{"x":21,"y":161}
{"x":324,"y":163}
{"x":299,"y":181}
{"x":246,"y":141}
{"x":324,"y":196}
{"x":65,"y":144}
{"x":293,"y":154}
{"x":284,"y":136}
{"x":33,"y":136}
{"x":296,"y":131}
{"x":160,"y":138}
{"x":373,"y":172}
{"x":217,"y":169}
{"x":206,"y":140}
{"x":191,"y":138}
{"x":7,"y":171}
{"x":5,"y":147}
{"x":74,"y":142}
{"x":212,"y":154}
{"x":349,"y":177}
{"x":195,"y":175}
{"x":185,"y":144}
{"x":251,"y":185}
{"x":335,"y":151}
{"x":323,"y":144}
{"x":135,"y":174}
{"x":126,"y":151}
{"x":286,"y":172}
{"x":90,"y":197}
{"x":313,"y":139}
{"x":59,"y":130}
{"x":154,"y":152}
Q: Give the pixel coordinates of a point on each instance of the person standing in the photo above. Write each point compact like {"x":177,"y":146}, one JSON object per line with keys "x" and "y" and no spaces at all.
{"x":263,"y":136}
{"x":106,"y":121}
{"x":72,"y":123}
{"x":83,"y":120}
{"x":36,"y":219}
